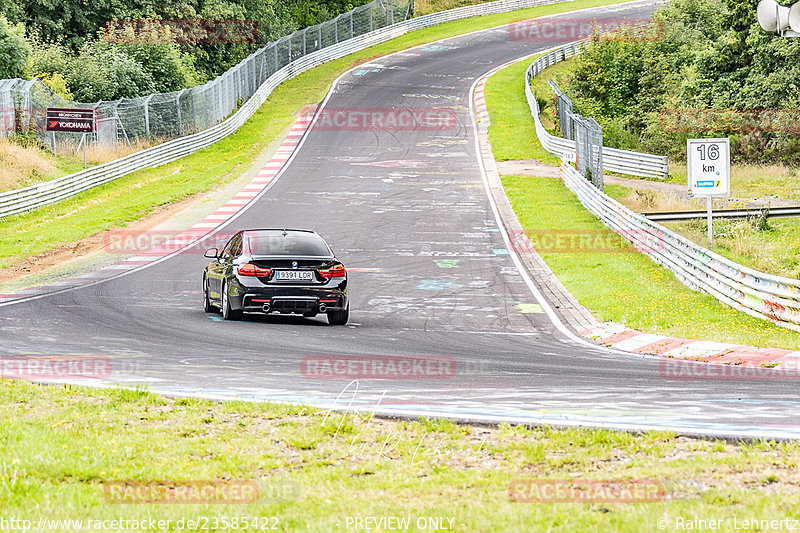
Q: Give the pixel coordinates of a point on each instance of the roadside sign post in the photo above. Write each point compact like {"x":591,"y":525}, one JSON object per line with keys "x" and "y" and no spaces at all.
{"x":71,"y":120}
{"x":708,"y":162}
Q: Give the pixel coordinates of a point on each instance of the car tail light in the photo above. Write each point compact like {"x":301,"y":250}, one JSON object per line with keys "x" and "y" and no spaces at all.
{"x":336,"y":271}
{"x":253,"y":270}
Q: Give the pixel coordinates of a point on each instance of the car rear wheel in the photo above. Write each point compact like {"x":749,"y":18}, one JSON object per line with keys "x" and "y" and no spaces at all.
{"x":207,"y":307}
{"x":339,"y":318}
{"x":227,"y":312}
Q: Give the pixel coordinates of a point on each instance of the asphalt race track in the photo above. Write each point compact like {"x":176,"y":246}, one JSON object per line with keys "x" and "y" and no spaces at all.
{"x":408,"y":210}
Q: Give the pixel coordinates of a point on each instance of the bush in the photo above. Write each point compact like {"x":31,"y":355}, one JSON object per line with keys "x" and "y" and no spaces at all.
{"x":56,"y":83}
{"x":103,"y":71}
{"x":14,"y":49}
{"x":46,"y":58}
{"x":165,"y":64}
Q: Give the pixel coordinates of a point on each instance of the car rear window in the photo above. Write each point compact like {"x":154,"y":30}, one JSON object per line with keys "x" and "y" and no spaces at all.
{"x":290,"y":244}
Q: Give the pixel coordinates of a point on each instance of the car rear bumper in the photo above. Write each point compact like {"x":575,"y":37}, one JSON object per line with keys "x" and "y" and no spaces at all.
{"x":298,"y":301}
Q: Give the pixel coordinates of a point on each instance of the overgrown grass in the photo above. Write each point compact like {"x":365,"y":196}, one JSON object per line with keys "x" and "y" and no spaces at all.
{"x":752,"y":181}
{"x":27,"y":163}
{"x":624,"y":287}
{"x":61,"y":447}
{"x":20,"y":166}
{"x":134,"y":196}
{"x":425,"y":7}
{"x":774,"y":249}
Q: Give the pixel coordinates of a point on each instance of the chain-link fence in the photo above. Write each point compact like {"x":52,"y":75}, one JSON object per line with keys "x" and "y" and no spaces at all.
{"x":163,"y":116}
{"x":588,"y":137}
{"x":564,"y":105}
{"x":589,"y":149}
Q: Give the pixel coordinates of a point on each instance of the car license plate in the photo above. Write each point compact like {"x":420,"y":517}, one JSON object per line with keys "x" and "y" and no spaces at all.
{"x":295,"y":275}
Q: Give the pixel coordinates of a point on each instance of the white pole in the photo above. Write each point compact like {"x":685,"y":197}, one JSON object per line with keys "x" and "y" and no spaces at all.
{"x":708,"y":215}
{"x":83,"y":140}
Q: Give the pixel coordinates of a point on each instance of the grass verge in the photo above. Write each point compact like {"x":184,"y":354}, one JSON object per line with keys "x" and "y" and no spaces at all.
{"x":134,"y":196}
{"x":624,"y":286}
{"x":513,"y":137}
{"x":63,"y":448}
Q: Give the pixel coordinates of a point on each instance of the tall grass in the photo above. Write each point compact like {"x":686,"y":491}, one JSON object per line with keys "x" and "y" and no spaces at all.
{"x":423,"y":7}
{"x":20,"y":165}
{"x":24,"y":164}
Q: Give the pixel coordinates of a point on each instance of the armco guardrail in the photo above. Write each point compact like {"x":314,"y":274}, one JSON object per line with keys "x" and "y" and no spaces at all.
{"x":761,"y":295}
{"x":22,"y":200}
{"x":677,"y":216}
{"x":614,"y":160}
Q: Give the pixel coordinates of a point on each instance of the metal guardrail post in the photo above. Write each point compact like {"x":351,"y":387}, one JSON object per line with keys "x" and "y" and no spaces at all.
{"x":178,"y":104}
{"x":147,"y":116}
{"x":761,"y":295}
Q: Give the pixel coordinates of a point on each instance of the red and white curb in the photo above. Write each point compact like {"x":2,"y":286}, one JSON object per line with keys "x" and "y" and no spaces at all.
{"x":622,"y":338}
{"x":480,"y":100}
{"x":195,"y":234}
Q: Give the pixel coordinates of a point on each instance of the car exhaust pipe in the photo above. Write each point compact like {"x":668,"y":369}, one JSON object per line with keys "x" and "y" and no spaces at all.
{"x":266,"y":308}
{"x":322,"y":308}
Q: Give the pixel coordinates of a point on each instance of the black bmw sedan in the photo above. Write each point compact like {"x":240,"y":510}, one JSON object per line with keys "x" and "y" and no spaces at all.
{"x":276,"y":271}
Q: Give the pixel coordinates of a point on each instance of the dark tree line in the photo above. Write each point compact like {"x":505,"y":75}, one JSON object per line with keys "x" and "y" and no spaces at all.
{"x":705,"y":55}
{"x":65,"y":42}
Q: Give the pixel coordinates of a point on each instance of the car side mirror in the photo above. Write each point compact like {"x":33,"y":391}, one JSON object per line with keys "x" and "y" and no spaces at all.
{"x":213,"y":253}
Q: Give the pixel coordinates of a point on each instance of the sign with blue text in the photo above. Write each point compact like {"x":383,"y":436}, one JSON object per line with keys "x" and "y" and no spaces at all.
{"x":709,"y":167}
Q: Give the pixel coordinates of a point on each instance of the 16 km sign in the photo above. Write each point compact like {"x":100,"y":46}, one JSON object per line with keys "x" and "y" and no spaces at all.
{"x":709,"y":165}
{"x":70,"y":120}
